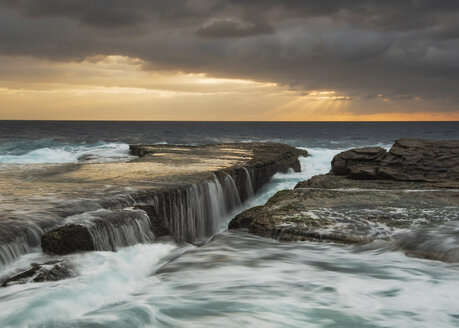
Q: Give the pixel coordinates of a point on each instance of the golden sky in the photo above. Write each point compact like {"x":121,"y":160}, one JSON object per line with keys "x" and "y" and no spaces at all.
{"x":120,"y":88}
{"x":229,"y":60}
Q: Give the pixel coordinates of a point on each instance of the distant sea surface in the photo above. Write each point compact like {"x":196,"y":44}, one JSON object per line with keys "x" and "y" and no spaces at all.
{"x":61,"y":141}
{"x":236,"y":279}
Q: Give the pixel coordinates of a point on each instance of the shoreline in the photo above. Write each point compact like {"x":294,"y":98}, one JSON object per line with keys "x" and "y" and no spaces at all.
{"x":206,"y":191}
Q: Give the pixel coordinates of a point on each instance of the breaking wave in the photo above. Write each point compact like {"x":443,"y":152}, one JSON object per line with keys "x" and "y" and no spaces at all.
{"x":50,"y":151}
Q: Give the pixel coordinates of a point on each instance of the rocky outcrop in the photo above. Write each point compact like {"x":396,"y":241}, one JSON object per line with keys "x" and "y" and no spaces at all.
{"x":359,"y":163}
{"x":48,"y":271}
{"x":407,"y":160}
{"x":370,"y":194}
{"x":187,"y":211}
{"x":67,"y":239}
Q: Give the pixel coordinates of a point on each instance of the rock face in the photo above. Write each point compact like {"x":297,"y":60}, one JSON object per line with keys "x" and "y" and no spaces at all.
{"x":48,"y":271}
{"x":371,"y":194}
{"x":407,"y":160}
{"x":67,"y":239}
{"x":185,"y":210}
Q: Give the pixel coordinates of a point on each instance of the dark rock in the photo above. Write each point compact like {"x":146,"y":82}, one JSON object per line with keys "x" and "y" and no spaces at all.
{"x":67,"y":239}
{"x":407,"y":160}
{"x":48,"y":271}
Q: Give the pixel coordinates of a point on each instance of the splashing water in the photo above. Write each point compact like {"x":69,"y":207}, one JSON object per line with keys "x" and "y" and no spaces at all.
{"x":49,"y":151}
{"x":237,"y":279}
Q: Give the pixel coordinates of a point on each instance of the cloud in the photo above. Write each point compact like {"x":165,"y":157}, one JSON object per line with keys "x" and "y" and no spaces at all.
{"x":232,"y":28}
{"x":101,"y":13}
{"x":361,"y":48}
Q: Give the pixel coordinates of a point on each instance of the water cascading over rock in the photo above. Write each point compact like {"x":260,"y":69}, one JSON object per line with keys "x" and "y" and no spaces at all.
{"x":103,"y":230}
{"x":19,"y":239}
{"x":183,"y":191}
{"x":191,"y":213}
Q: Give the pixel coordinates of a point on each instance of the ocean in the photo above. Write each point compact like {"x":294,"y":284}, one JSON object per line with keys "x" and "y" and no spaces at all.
{"x":235,"y":279}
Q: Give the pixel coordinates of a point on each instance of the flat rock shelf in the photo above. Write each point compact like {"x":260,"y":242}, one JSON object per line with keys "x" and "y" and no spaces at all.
{"x":165,"y":189}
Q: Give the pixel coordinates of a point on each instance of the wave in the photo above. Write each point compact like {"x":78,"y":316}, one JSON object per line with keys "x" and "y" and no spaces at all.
{"x":50,"y":151}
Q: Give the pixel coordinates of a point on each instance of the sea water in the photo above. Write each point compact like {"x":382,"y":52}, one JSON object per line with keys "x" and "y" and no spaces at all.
{"x":235,"y":279}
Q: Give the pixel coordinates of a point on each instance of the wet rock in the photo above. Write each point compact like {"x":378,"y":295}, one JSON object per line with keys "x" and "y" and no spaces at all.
{"x":346,"y":216}
{"x":262,"y":160}
{"x":67,"y":239}
{"x":407,"y":160}
{"x":48,"y":271}
{"x":370,"y":195}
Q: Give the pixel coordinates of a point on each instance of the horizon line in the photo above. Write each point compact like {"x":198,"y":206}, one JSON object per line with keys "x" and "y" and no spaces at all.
{"x":221,"y":121}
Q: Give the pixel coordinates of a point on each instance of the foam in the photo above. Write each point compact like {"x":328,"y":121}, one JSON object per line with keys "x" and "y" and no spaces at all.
{"x":56,"y":153}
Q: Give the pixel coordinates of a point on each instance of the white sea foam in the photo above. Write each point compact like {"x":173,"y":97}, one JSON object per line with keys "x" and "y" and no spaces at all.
{"x":67,"y":153}
{"x":317,"y":163}
{"x":104,"y":278}
{"x":243,"y":280}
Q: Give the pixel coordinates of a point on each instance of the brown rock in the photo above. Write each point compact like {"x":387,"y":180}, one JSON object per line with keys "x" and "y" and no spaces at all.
{"x":67,"y":239}
{"x":408,"y":160}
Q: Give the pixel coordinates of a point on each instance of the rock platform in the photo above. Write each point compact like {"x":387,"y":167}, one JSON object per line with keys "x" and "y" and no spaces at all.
{"x":369,"y":195}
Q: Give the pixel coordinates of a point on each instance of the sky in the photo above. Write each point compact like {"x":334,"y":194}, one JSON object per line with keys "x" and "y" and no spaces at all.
{"x":231,"y":60}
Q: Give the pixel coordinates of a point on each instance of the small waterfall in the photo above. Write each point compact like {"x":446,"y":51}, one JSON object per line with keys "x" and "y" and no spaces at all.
{"x":12,"y":250}
{"x":193,"y":213}
{"x":112,"y":229}
{"x":230,"y":197}
{"x":17,"y":239}
{"x":249,"y":193}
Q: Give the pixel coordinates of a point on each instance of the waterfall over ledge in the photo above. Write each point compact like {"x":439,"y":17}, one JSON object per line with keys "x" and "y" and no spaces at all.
{"x":188,"y":211}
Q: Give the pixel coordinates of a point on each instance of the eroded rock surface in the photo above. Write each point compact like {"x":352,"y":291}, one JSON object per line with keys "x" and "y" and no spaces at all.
{"x":347,"y":216}
{"x":407,"y":160}
{"x":369,"y":195}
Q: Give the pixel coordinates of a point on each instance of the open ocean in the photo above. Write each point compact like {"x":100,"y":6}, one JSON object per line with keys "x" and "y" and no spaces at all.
{"x":236,"y":279}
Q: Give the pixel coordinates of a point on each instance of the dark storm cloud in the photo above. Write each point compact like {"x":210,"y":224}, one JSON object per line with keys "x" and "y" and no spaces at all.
{"x":230,"y":28}
{"x":98,"y":13}
{"x":365,"y":48}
